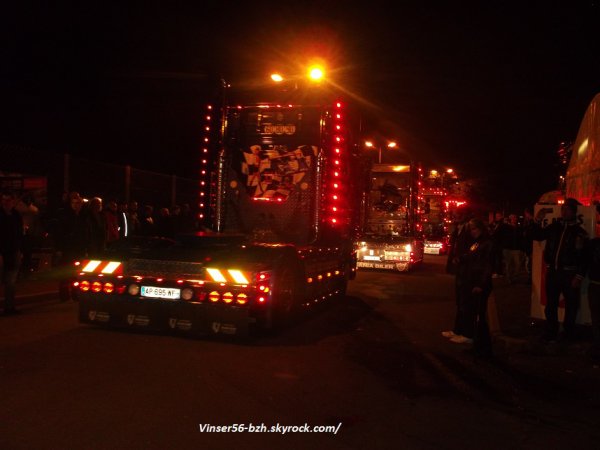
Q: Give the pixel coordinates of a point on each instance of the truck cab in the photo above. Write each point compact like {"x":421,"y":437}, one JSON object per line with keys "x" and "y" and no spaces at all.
{"x":392,"y":238}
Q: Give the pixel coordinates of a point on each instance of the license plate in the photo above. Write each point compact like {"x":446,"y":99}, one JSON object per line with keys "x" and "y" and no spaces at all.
{"x":432,"y":251}
{"x":398,"y":256}
{"x":371,"y":258}
{"x":161,"y":292}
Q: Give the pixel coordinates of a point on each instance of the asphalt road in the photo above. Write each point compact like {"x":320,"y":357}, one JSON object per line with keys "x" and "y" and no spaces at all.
{"x":373,"y":366}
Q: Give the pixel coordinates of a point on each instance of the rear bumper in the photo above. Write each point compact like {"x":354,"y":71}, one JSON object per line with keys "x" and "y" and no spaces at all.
{"x":174,"y":317}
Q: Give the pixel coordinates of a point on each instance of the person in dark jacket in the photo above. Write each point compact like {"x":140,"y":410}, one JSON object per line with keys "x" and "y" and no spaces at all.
{"x":11,"y":242}
{"x":72,"y":241}
{"x":565,"y":267}
{"x":510,"y":242}
{"x":475,"y":284}
{"x":527,"y":230}
{"x":97,"y":228}
{"x":458,"y":245}
{"x":592,"y":264}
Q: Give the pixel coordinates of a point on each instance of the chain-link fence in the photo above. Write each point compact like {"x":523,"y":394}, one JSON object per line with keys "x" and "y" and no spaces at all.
{"x":94,"y":178}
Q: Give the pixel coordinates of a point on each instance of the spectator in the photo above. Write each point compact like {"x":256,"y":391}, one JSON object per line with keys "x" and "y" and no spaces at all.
{"x":527,"y":239}
{"x":72,"y":241}
{"x":564,"y":259}
{"x":112,"y":222}
{"x":176,"y":219}
{"x":459,"y":243}
{"x":164,"y":224}
{"x":494,"y":229}
{"x":11,"y":241}
{"x":508,"y":237}
{"x":476,"y":286}
{"x":133,"y":219}
{"x":97,"y":226}
{"x":147,"y":225}
{"x":123,"y":219}
{"x":188,"y":221}
{"x":592,"y":263}
{"x":32,"y":230}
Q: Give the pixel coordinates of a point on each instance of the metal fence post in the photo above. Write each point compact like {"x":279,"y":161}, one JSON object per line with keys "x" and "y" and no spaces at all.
{"x":173,"y":189}
{"x":127,"y":183}
{"x":66,"y":163}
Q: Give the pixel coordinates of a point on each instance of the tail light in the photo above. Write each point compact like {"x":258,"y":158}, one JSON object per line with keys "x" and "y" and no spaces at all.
{"x":263,"y":284}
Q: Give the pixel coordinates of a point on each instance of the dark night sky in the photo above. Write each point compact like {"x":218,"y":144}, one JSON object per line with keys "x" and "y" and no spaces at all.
{"x":489,"y":88}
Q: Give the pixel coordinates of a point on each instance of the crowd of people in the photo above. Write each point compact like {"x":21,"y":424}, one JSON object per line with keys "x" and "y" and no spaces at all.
{"x":79,"y":228}
{"x":480,"y":252}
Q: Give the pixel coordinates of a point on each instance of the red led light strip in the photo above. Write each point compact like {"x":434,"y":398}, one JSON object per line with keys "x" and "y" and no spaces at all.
{"x":336,"y":168}
{"x":204,"y":167}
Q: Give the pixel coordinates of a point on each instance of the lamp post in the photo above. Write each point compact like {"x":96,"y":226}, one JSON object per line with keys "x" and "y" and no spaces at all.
{"x":389,"y":145}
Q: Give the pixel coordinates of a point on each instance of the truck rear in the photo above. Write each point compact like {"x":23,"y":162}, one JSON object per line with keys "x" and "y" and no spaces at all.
{"x":281,"y":184}
{"x":392,"y":237}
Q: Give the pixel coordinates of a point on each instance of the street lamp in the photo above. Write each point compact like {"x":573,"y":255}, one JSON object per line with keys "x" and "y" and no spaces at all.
{"x":389,"y":145}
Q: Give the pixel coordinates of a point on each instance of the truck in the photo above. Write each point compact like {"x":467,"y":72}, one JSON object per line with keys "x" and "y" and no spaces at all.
{"x":280,"y":193}
{"x":435,"y":219}
{"x":392,"y":236}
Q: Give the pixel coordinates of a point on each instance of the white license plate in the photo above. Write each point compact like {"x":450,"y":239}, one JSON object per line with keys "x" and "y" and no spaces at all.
{"x":432,"y":251}
{"x":371,"y":258}
{"x":398,"y":256}
{"x":161,"y":292}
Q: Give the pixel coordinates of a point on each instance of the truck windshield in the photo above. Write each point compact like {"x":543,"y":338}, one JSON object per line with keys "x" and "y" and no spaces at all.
{"x":390,"y":202}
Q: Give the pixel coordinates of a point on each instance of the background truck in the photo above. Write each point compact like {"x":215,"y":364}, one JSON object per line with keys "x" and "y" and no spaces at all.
{"x":435,"y":218}
{"x":392,"y":234}
{"x":281,"y":196}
